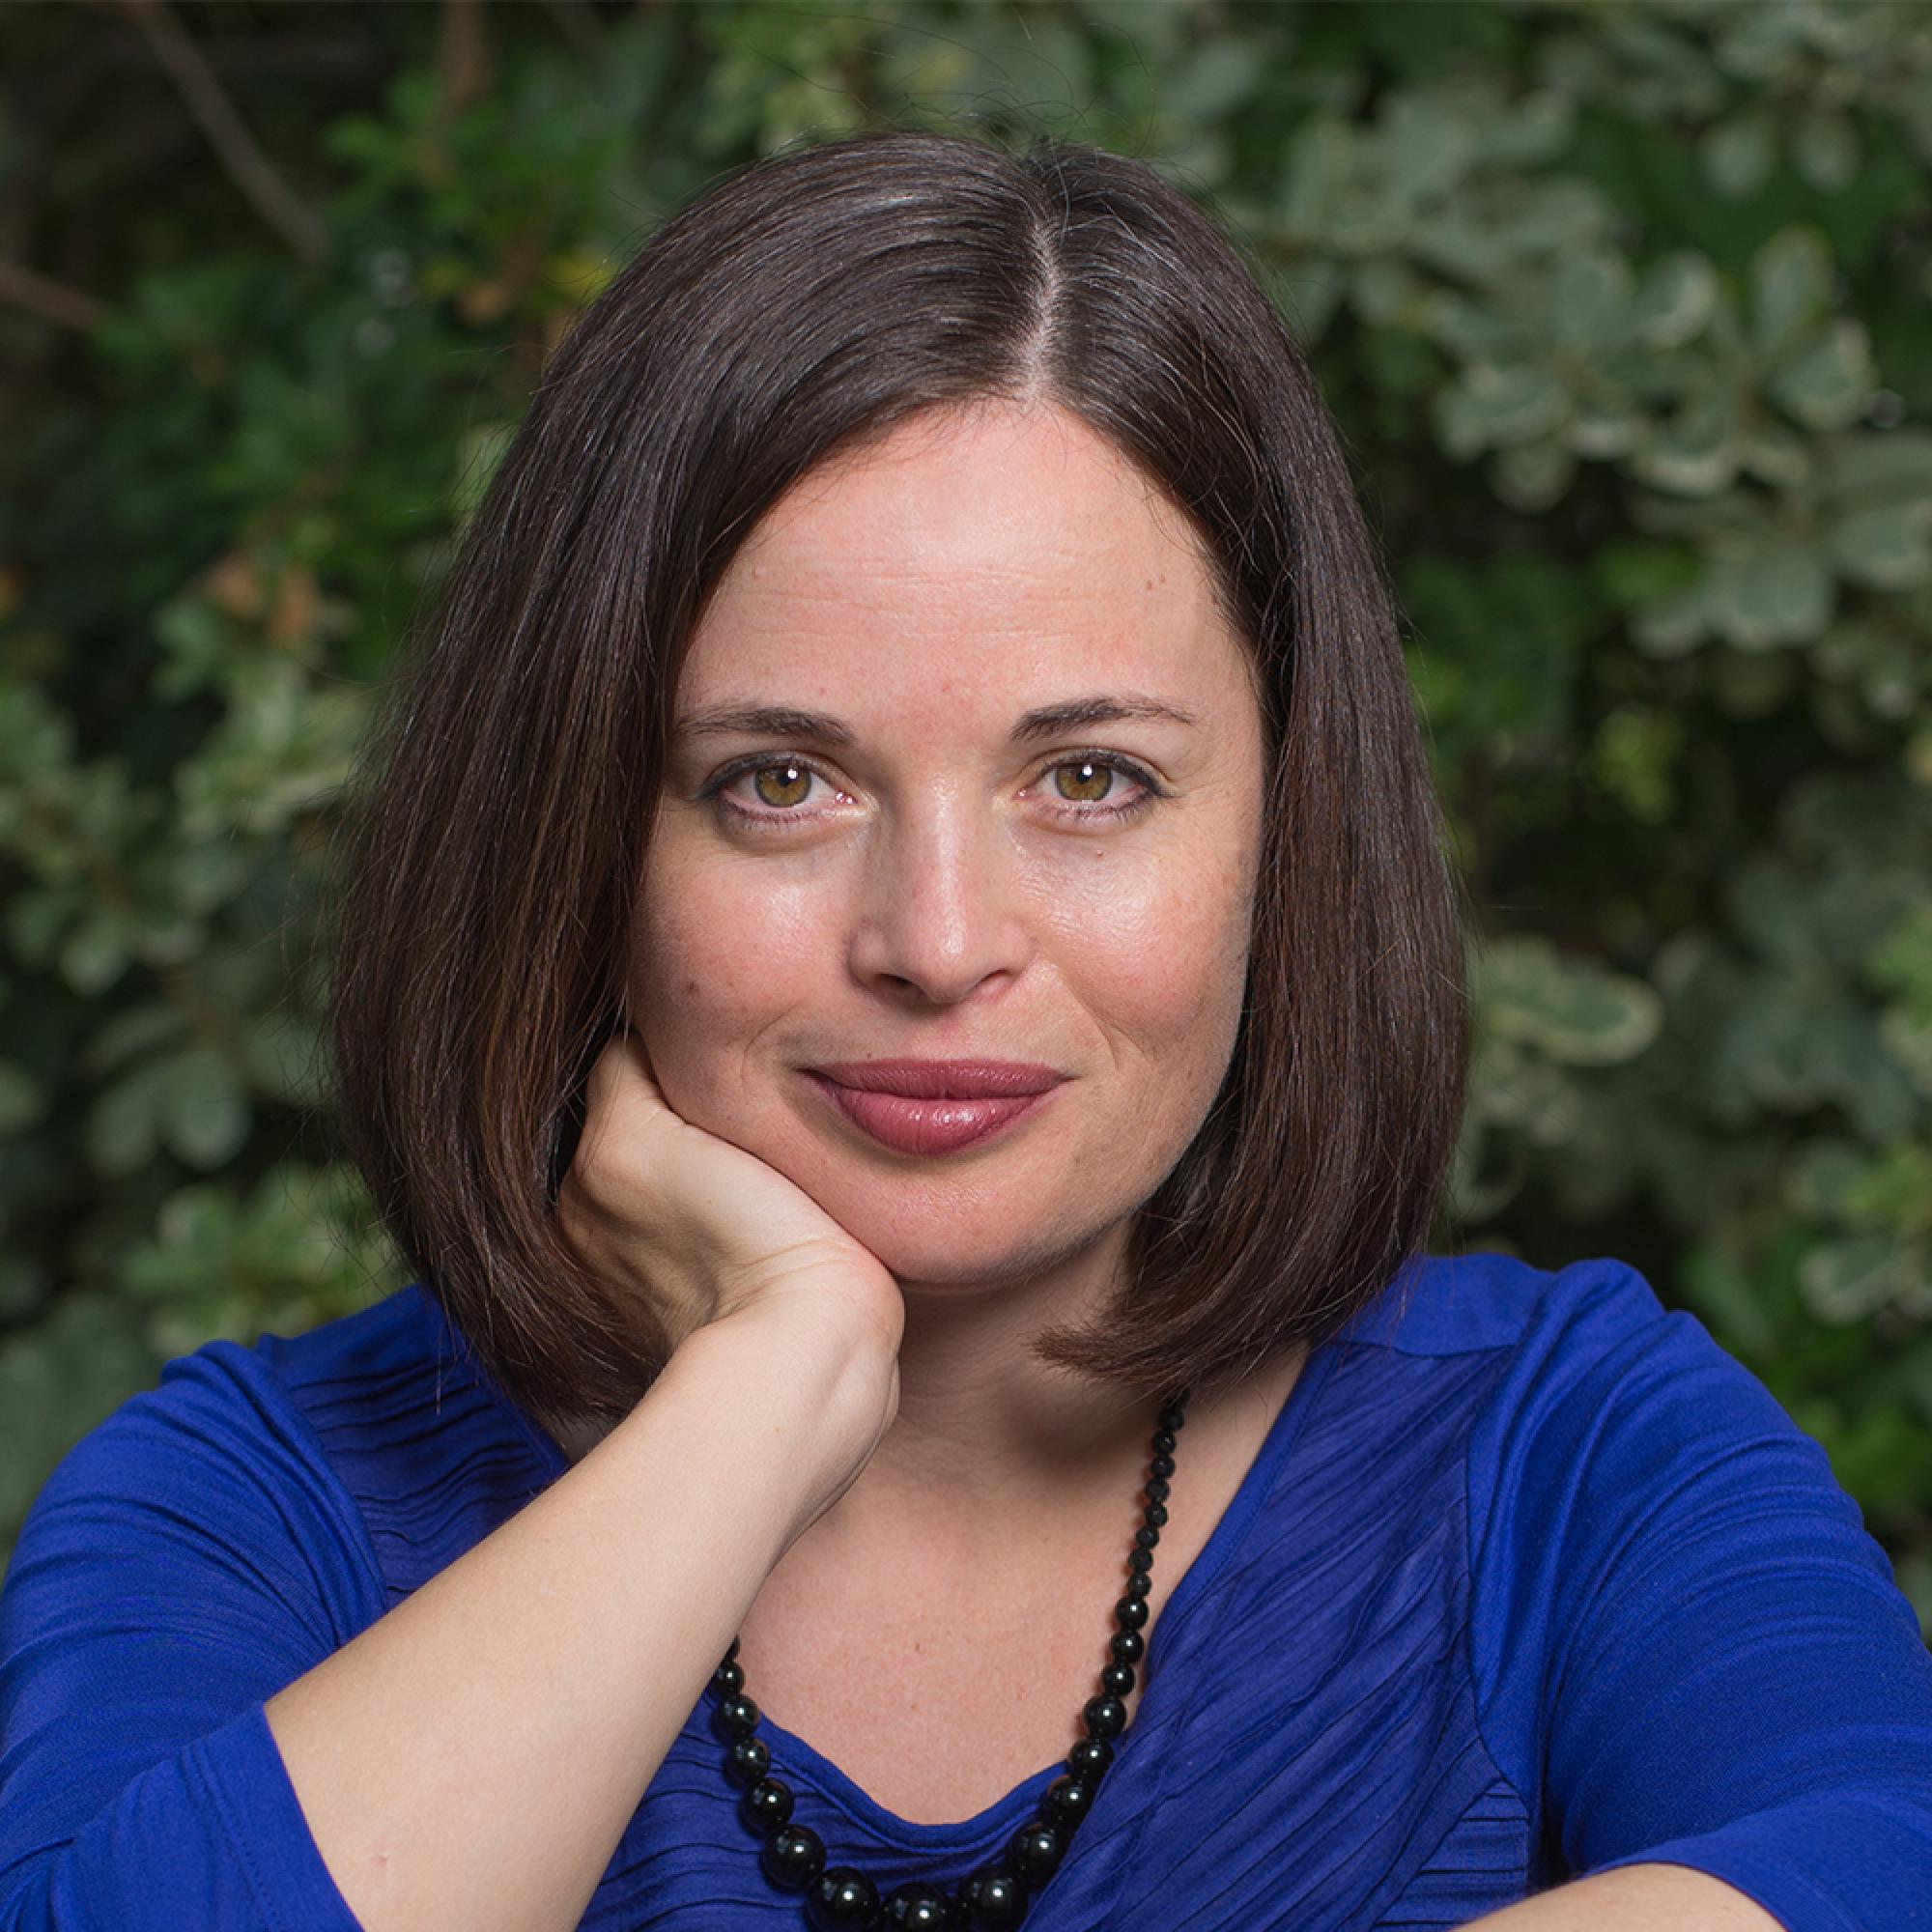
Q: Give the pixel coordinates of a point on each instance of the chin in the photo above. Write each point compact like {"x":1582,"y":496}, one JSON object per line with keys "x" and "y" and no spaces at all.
{"x":964,"y":1243}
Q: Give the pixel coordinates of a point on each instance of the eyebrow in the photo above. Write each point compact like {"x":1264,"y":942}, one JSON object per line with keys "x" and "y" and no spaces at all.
{"x":1048,"y":720}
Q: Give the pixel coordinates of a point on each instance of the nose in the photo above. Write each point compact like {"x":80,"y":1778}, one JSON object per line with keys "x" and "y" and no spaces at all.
{"x":940,"y":909}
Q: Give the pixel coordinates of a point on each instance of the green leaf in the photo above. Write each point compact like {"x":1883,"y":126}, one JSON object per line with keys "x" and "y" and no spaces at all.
{"x":123,"y":1123}
{"x":1429,"y":144}
{"x":1632,"y":573}
{"x":1738,"y":154}
{"x":1825,"y":149}
{"x":1533,"y":475}
{"x":131,"y":1032}
{"x":22,"y":1098}
{"x":1528,"y":1092}
{"x":95,"y":954}
{"x":1674,"y":301}
{"x":287,"y":1059}
{"x":1850,"y":1279}
{"x":1590,"y":299}
{"x":1214,"y":79}
{"x":205,"y":1116}
{"x":35,"y":734}
{"x":1829,"y":385}
{"x":1777,"y":592}
{"x":1697,"y":454}
{"x":1887,"y":547}
{"x":1575,"y":1009}
{"x":1320,"y":161}
{"x":1790,"y":290}
{"x":1721,"y":1291}
{"x":209,"y":872}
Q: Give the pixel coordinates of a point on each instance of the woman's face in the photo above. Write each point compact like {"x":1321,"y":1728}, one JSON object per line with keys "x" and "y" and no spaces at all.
{"x":931,"y":886}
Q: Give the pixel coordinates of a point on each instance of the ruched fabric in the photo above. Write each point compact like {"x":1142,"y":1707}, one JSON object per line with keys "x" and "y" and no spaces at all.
{"x":1530,"y":1578}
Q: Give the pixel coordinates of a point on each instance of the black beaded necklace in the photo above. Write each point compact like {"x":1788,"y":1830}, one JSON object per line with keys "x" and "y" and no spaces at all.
{"x":997,"y":1895}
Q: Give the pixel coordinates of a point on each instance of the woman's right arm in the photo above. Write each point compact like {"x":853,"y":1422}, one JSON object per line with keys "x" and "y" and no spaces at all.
{"x":182,"y":1716}
{"x":187,"y":1734}
{"x":471,"y":1761}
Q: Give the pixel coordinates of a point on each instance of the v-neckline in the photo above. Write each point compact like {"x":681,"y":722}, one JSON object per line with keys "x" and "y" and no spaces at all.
{"x":959,"y":1834}
{"x":788,"y":1748}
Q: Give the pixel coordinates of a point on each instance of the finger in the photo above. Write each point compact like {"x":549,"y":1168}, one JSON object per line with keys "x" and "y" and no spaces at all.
{"x":606,"y":1070}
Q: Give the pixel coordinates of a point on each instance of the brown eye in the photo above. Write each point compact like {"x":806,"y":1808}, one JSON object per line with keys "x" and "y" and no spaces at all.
{"x":1092,"y":774}
{"x":798,"y":778}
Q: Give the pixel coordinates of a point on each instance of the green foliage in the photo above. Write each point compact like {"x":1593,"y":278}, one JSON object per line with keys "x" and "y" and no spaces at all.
{"x":1621,"y":310}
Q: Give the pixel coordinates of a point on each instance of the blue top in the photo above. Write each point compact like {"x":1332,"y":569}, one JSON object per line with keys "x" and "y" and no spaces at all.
{"x":1530,"y":1578}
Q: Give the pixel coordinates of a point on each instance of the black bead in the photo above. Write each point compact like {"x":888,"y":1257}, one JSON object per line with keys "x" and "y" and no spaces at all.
{"x":747,"y":1760}
{"x":1034,"y":1852}
{"x":766,"y":1806}
{"x":919,"y":1908}
{"x":736,"y":1716}
{"x":794,"y":1854}
{"x":840,"y":1898}
{"x":1106,"y":1717}
{"x":994,"y":1899}
{"x":1065,"y":1802}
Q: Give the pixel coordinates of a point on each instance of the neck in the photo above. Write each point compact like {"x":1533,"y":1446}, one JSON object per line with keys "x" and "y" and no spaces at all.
{"x":981,"y":1424}
{"x":983,"y":1428}
{"x":984,"y":1432}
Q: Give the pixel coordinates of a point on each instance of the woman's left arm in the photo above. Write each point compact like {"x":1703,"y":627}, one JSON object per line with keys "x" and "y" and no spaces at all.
{"x":1687,"y":1644}
{"x":1634,"y":1898}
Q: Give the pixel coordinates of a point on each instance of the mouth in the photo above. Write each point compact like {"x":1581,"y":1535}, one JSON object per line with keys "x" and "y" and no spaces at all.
{"x":926,"y":1123}
{"x":945,"y":1079}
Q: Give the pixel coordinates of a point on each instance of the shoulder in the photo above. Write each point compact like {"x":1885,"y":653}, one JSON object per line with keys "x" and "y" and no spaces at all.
{"x":225,"y":1446}
{"x":225,"y":1398}
{"x":1585,"y":1403}
{"x":1587,"y":1370}
{"x":1481,"y":1302}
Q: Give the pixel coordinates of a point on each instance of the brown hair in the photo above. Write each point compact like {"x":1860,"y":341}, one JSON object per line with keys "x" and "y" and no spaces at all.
{"x":497,"y":823}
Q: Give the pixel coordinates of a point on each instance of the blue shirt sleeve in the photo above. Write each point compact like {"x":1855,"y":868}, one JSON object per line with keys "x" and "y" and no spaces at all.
{"x":1686,"y":1641}
{"x":187,"y":1558}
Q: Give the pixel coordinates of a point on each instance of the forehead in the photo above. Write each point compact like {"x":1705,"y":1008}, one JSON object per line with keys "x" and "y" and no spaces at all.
{"x":1003,"y":549}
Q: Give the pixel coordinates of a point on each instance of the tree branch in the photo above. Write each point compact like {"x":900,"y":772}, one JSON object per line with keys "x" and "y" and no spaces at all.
{"x":51,"y":300}
{"x":248,"y":167}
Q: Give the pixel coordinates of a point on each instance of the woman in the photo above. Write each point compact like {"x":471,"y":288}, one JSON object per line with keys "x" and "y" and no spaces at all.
{"x":925,"y":621}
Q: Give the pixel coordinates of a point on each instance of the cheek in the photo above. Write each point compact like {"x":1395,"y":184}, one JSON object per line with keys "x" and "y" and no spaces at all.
{"x":1160,"y":960}
{"x":712,"y":961}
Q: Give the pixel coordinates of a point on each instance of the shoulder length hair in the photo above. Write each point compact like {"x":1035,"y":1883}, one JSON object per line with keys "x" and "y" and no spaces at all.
{"x":497,"y":824}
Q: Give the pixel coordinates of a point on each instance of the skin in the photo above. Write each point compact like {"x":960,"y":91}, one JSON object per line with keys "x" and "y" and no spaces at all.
{"x":939,"y":891}
{"x":1635,"y":1899}
{"x":930,"y":902}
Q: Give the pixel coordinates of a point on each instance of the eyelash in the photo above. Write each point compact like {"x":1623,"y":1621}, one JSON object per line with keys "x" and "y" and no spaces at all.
{"x":1150,"y":792}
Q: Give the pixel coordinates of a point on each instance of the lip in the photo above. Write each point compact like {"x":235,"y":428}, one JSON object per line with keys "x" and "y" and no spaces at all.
{"x":945,"y":1079}
{"x":930,"y":1124}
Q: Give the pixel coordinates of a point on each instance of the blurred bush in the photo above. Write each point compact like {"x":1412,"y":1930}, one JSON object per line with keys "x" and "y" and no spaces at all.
{"x":1621,"y":308}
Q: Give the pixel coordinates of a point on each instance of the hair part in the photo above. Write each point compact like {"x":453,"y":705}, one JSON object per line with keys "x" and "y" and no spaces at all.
{"x":498,"y":817}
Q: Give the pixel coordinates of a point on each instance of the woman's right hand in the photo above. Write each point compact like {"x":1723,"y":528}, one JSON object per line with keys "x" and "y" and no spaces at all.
{"x":702,"y":1231}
